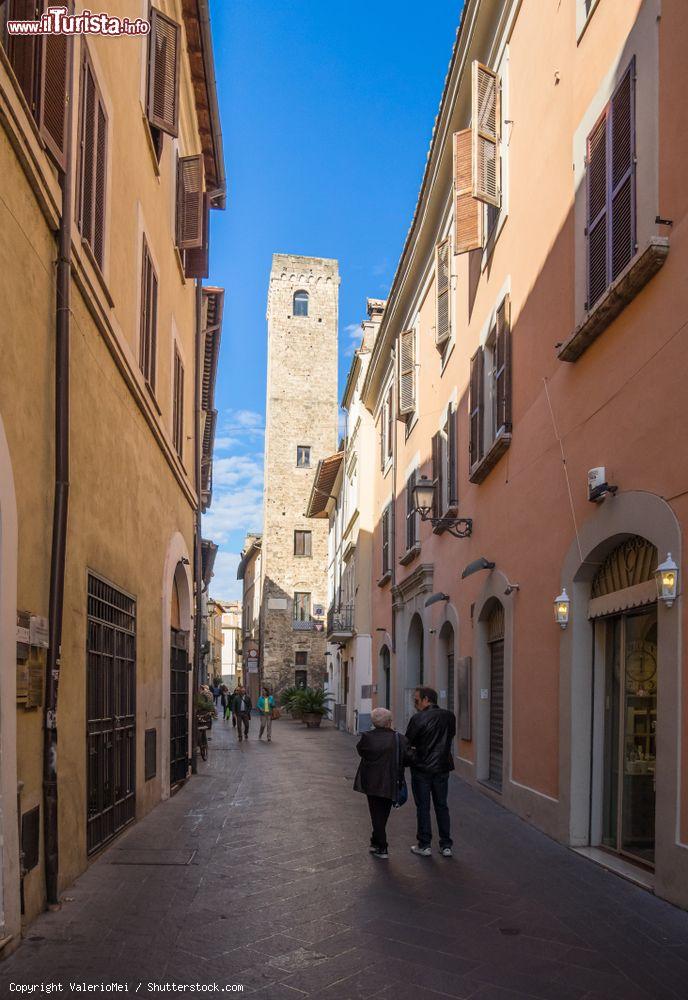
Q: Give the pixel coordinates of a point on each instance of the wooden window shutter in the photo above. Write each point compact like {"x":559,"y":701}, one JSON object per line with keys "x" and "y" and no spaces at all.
{"x":622,"y":195}
{"x":385,"y":540}
{"x":52,"y":104}
{"x":485,"y":126}
{"x":476,"y":407}
{"x":411,"y":515}
{"x":382,"y":438}
{"x":407,"y":373}
{"x":190,"y":206}
{"x":597,"y":210}
{"x":149,"y":318}
{"x":452,"y":458}
{"x":163,"y":73}
{"x":390,"y":421}
{"x":24,"y":52}
{"x":178,"y":404}
{"x":437,"y":475}
{"x":197,"y":262}
{"x":503,"y":367}
{"x":92,"y":166}
{"x":468,"y":212}
{"x":443,"y":293}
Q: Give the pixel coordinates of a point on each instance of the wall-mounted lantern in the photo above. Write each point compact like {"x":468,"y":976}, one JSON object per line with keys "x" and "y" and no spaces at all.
{"x":666,"y":576}
{"x":424,"y":501}
{"x":562,"y":609}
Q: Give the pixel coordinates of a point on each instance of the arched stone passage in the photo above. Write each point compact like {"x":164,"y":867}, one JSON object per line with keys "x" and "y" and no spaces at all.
{"x":446,"y":682}
{"x":177,"y":621}
{"x":415,"y":663}
{"x":385,"y":694}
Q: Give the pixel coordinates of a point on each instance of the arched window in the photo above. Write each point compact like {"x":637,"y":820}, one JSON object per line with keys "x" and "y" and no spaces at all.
{"x":300,"y":303}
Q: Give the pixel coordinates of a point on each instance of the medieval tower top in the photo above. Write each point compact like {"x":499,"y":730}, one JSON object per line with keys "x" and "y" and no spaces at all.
{"x":301,"y":429}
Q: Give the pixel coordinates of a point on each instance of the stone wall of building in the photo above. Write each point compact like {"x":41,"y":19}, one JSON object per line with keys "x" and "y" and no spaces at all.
{"x":301,"y":412}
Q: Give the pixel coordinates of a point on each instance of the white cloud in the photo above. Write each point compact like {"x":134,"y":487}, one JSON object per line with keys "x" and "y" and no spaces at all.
{"x":352,"y":336}
{"x":224,"y":584}
{"x":239,"y":509}
{"x":238,"y":470}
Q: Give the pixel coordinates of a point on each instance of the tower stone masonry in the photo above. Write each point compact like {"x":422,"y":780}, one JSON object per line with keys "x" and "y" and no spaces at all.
{"x":301,"y":429}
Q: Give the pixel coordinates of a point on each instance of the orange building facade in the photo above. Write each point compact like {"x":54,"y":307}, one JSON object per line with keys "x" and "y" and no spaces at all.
{"x":529,"y":366}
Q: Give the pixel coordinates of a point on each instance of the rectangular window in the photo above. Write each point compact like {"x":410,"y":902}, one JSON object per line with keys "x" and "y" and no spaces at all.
{"x":411,"y":515}
{"x":178,"y":405}
{"x":407,"y":373}
{"x":611,"y":199}
{"x":442,"y":294}
{"x":40,"y":65}
{"x":300,"y":678}
{"x":302,"y":607}
{"x":486,"y":120}
{"x":387,"y":539}
{"x":301,"y":657}
{"x":302,"y":543}
{"x":387,"y":427}
{"x":303,"y":456}
{"x":490,"y":396}
{"x":149,"y":318}
{"x":92,"y":155}
{"x":444,"y":465}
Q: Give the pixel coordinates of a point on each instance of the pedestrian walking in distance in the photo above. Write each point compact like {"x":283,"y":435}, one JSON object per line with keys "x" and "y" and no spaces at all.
{"x":229,"y":712}
{"x":430,"y":734}
{"x":224,"y":698}
{"x":241,"y":708}
{"x":266,"y":706}
{"x":383,"y":754}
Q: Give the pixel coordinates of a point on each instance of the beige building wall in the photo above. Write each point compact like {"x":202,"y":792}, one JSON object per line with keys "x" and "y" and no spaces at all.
{"x":132,"y":497}
{"x":301,"y":412}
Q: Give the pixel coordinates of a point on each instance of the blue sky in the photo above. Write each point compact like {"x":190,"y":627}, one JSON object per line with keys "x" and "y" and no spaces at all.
{"x":327,"y":111}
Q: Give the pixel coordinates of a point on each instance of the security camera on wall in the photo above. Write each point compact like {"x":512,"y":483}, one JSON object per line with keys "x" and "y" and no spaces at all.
{"x":598,"y":487}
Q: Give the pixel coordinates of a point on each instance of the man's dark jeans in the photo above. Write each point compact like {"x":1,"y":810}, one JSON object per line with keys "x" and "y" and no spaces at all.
{"x":433,"y":787}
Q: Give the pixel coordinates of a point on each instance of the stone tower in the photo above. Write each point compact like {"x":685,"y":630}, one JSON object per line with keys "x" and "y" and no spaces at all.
{"x":301,"y":429}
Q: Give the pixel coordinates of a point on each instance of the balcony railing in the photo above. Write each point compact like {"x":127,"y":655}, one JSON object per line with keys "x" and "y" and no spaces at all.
{"x":340,"y":621}
{"x":307,"y":625}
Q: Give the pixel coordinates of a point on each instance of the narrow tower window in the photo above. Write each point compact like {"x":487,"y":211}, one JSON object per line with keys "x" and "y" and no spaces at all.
{"x":300,"y":303}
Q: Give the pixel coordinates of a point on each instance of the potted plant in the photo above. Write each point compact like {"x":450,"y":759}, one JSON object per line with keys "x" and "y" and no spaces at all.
{"x":312,"y":703}
{"x":287,"y":701}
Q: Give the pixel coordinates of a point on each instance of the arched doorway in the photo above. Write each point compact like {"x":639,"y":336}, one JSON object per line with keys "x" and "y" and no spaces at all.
{"x":495,"y":644}
{"x":623,"y":611}
{"x":415,"y":661}
{"x":179,"y":677}
{"x":445,"y":681}
{"x":385,"y":670}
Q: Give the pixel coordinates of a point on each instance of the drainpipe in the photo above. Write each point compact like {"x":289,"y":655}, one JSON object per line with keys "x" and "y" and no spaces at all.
{"x":393,"y":547}
{"x":198,"y":557}
{"x":60,"y":506}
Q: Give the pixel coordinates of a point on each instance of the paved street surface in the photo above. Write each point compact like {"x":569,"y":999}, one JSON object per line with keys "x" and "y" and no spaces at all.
{"x":257,"y":873}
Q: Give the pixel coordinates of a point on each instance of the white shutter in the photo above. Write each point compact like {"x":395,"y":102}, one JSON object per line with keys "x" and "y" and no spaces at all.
{"x":443,"y":292}
{"x":485,"y":127}
{"x":407,"y":373}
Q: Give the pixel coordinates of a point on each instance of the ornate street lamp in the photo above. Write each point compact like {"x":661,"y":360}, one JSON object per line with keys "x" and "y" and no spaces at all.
{"x":424,"y":501}
{"x":666,"y":577}
{"x":562,"y":609}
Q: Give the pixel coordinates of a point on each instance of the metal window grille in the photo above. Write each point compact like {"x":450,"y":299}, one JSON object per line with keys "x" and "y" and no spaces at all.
{"x":111,"y":711}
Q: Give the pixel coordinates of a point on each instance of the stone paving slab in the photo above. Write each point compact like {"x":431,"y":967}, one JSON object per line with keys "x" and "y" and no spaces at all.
{"x":257,"y":874}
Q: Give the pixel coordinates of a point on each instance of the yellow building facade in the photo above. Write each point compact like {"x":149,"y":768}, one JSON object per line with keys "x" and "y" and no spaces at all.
{"x":145,"y":166}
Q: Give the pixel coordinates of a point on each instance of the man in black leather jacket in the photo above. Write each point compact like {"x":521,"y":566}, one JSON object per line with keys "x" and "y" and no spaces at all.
{"x":430,"y":734}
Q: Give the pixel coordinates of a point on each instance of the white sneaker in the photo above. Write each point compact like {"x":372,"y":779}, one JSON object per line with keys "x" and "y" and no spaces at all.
{"x":446,"y":852}
{"x":424,"y":852}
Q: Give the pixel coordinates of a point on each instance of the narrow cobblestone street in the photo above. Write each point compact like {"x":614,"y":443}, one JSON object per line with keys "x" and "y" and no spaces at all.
{"x":257,"y":873}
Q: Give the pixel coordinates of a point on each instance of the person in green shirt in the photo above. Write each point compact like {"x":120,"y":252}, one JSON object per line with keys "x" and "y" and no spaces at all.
{"x":266,"y":705}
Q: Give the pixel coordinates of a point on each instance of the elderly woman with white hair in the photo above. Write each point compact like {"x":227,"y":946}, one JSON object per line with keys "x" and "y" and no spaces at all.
{"x":380,"y":774}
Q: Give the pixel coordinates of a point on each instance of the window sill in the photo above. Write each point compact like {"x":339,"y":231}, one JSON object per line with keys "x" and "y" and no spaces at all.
{"x":481,"y":470}
{"x":384,"y":579}
{"x":449,"y":514}
{"x":410,"y":554}
{"x":629,"y":283}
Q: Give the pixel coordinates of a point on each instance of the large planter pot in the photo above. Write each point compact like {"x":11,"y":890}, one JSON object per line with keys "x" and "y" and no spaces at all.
{"x":312,"y":719}
{"x":296,"y":714}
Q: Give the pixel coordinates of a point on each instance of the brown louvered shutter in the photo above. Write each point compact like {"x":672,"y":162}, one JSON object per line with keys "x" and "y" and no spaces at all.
{"x":390,"y":421}
{"x":163,"y":73}
{"x":385,"y":540}
{"x":382,"y":438}
{"x":597,"y":210}
{"x":503,"y":367}
{"x":623,"y":173}
{"x":190,"y":208}
{"x":197,"y":262}
{"x":178,"y":405}
{"x":452,"y":458}
{"x":442,"y":279}
{"x":485,"y":126}
{"x":476,"y":407}
{"x":149,"y":317}
{"x":468,"y":212}
{"x":92,"y":164}
{"x":436,"y":475}
{"x":407,"y":373}
{"x":24,"y":52}
{"x":52,"y":103}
